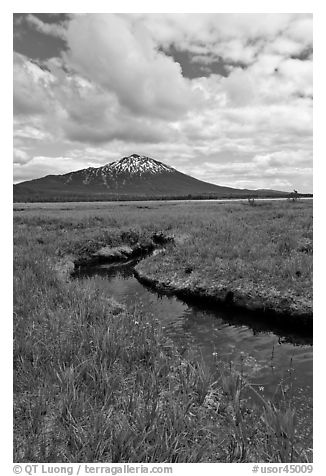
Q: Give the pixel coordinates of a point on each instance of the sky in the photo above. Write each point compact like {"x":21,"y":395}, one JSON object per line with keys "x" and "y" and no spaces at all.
{"x":226,"y":98}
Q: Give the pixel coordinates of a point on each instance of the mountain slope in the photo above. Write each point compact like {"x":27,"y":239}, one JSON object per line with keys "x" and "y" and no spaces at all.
{"x":130,"y":177}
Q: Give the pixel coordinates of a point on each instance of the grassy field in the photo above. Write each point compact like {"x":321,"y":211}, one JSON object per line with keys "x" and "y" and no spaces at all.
{"x":94,"y":382}
{"x":258,"y":259}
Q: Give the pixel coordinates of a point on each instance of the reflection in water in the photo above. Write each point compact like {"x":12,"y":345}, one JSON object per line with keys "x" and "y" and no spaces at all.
{"x":271,"y":359}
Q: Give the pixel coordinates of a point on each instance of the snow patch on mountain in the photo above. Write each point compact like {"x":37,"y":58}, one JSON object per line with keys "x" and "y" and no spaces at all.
{"x":138,"y":165}
{"x":119,"y":171}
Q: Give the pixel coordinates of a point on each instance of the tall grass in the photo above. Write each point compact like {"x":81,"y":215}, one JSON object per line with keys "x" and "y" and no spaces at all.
{"x":275,"y":430}
{"x":94,"y":382}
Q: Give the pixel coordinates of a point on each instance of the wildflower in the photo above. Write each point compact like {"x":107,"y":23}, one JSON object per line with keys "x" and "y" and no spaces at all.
{"x":214,"y":354}
{"x":137,"y":323}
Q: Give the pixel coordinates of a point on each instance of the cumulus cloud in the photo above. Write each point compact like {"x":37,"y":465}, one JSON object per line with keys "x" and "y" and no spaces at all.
{"x":240,"y":88}
{"x":29,"y":93}
{"x":234,"y":37}
{"x":20,"y":156}
{"x":53,"y":29}
{"x":123,"y":59}
{"x":301,"y":29}
{"x":76,"y":109}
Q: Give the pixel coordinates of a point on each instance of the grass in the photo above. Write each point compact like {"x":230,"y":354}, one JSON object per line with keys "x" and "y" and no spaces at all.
{"x":260,"y":256}
{"x":96,"y":383}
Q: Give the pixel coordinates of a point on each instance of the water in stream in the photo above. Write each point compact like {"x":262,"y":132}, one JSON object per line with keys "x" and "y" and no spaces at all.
{"x":273,"y":360}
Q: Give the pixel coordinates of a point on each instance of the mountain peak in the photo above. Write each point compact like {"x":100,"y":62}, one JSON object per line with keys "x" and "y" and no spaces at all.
{"x":136,"y":164}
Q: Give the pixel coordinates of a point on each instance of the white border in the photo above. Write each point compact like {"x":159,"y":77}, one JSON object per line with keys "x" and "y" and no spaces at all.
{"x":173,"y":6}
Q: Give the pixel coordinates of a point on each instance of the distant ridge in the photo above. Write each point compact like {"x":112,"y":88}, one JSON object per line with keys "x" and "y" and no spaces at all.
{"x":130,"y":178}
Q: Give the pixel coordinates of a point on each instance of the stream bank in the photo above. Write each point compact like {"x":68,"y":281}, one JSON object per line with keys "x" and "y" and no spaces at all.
{"x":266,"y":304}
{"x":258,"y":301}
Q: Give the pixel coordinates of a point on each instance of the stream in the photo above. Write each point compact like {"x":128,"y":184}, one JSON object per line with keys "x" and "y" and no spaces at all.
{"x":274,"y":361}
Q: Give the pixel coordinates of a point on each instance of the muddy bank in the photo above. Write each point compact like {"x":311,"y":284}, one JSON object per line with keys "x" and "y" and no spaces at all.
{"x":264,"y":302}
{"x":267,"y":304}
{"x":67,"y":265}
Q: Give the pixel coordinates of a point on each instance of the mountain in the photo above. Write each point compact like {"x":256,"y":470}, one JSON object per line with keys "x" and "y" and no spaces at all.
{"x":131,"y":177}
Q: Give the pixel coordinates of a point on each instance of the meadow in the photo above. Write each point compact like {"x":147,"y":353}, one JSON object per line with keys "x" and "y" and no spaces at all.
{"x":94,"y":382}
